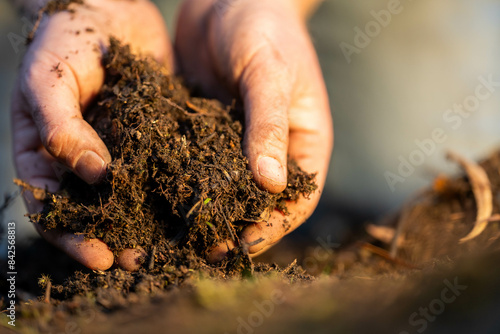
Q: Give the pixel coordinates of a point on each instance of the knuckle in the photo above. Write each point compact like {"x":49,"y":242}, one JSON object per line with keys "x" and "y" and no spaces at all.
{"x":273,"y":131}
{"x":53,"y":138}
{"x":32,"y":76}
{"x":43,"y":67}
{"x":261,"y":57}
{"x":36,"y":70}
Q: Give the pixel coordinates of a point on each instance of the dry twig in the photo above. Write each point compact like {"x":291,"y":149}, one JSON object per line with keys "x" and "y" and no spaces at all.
{"x":482,"y":194}
{"x":386,"y":255}
{"x":381,"y":233}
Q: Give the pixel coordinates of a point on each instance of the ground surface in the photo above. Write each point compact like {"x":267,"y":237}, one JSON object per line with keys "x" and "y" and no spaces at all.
{"x":434,"y":283}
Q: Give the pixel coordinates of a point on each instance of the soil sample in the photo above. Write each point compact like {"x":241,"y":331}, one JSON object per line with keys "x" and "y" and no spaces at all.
{"x":178,"y":179}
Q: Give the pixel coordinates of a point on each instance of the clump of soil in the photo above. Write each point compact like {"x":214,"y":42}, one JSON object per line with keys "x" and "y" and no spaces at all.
{"x":178,"y":181}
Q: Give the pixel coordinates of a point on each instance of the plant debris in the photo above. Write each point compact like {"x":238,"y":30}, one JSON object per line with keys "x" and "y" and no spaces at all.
{"x":482,"y":193}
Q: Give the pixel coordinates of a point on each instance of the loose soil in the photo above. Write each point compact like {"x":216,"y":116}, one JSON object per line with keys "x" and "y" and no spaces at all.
{"x":178,"y":177}
{"x":178,"y":185}
{"x":356,"y":287}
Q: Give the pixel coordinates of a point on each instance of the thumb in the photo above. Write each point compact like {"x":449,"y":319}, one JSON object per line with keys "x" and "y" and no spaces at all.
{"x":51,"y":92}
{"x":57,"y":79}
{"x":265,"y":86}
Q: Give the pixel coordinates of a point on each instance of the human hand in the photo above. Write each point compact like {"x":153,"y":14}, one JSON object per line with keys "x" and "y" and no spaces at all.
{"x":261,"y":51}
{"x":60,"y":75}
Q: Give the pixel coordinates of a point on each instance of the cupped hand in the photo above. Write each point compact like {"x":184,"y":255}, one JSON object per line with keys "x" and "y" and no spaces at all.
{"x":60,"y":75}
{"x":261,"y":52}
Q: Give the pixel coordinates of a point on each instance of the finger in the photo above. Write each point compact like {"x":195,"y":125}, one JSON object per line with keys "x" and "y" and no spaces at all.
{"x":265,"y":86}
{"x":55,"y":88}
{"x":251,"y":51}
{"x":92,"y":253}
{"x":261,"y":236}
{"x":54,"y":102}
{"x":311,"y":143}
{"x":219,"y":252}
{"x":131,"y":259}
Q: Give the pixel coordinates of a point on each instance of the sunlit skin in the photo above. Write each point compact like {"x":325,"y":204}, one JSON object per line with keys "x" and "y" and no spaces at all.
{"x":259,"y":51}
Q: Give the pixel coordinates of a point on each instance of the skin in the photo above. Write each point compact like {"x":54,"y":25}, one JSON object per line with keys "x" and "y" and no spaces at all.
{"x":259,"y":51}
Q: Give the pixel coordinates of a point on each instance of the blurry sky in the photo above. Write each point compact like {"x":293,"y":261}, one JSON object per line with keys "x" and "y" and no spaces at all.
{"x":407,"y":71}
{"x":398,"y":87}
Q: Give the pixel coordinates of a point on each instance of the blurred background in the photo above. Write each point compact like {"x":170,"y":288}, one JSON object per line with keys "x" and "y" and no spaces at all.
{"x":394,"y":72}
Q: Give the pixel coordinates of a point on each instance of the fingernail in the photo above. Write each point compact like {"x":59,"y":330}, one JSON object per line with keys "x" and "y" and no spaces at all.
{"x":272,"y":170}
{"x":131,"y":259}
{"x":90,"y":167}
{"x":219,"y":252}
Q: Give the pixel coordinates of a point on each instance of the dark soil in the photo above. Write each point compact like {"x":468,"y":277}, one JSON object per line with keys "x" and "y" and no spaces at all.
{"x":178,"y":181}
{"x":178,"y":185}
